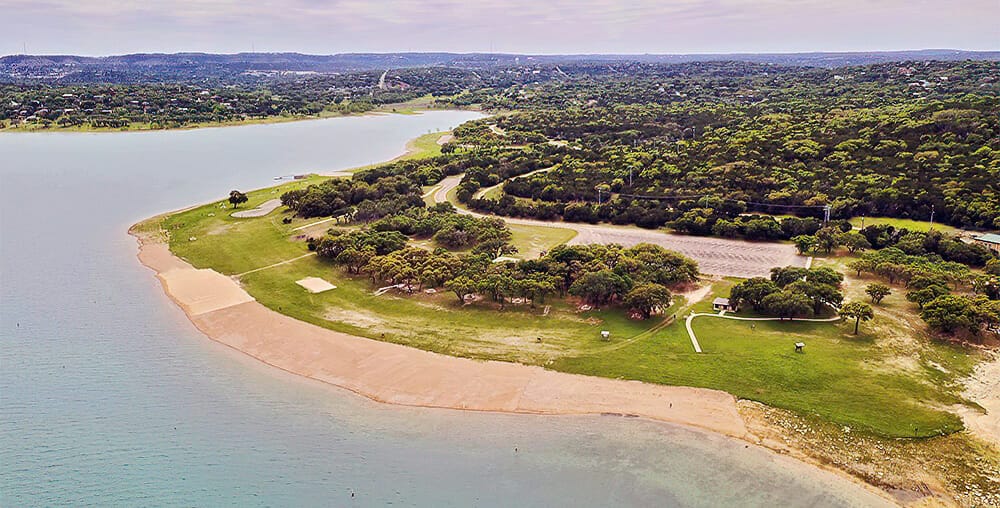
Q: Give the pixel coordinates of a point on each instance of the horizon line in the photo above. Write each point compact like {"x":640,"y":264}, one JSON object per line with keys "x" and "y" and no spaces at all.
{"x":495,"y":53}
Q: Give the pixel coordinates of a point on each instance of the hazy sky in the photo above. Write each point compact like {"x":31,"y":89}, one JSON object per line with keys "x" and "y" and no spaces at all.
{"x":100,"y":27}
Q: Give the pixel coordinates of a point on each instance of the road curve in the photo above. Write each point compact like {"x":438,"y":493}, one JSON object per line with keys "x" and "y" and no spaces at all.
{"x":715,"y":256}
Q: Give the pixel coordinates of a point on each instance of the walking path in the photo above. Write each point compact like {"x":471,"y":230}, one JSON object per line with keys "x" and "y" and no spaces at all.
{"x":721,"y":315}
{"x":311,"y":224}
{"x":285,"y":262}
{"x":485,"y":190}
{"x":261,"y":210}
{"x":716,"y":256}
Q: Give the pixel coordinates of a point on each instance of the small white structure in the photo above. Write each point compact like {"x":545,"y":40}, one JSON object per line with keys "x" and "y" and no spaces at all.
{"x":606,"y":335}
{"x":315,"y":284}
{"x":723,"y":304}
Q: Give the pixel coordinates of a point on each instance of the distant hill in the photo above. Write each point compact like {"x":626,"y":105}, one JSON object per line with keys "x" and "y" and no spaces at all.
{"x":204,"y":67}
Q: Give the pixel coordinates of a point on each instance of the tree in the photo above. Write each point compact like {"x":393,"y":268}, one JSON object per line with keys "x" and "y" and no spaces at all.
{"x":892,"y":271}
{"x":820,"y":294}
{"x":824,"y":275}
{"x":646,"y":298}
{"x":926,"y":294}
{"x":783,"y":276}
{"x":237,"y":198}
{"x":859,"y":311}
{"x":877,"y":292}
{"x":355,"y":259}
{"x":461,"y":286}
{"x":752,"y":291}
{"x":993,"y":266}
{"x":948,"y":313}
{"x":828,"y":238}
{"x":804,"y":243}
{"x":854,"y":241}
{"x":861,"y":265}
{"x":600,"y":287}
{"x":786,"y":304}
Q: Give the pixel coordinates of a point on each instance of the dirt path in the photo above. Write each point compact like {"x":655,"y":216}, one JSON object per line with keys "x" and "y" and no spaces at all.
{"x":482,"y":192}
{"x":279,"y":263}
{"x":261,"y":210}
{"x":715,"y":256}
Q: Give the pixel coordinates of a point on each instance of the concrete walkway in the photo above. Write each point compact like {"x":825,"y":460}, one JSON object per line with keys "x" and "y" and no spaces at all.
{"x":694,"y":340}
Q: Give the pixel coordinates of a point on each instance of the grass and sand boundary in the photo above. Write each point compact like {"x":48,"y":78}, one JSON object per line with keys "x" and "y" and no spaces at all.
{"x":832,"y":383}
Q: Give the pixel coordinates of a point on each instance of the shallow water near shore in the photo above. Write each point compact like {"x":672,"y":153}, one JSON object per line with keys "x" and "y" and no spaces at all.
{"x":109,"y":396}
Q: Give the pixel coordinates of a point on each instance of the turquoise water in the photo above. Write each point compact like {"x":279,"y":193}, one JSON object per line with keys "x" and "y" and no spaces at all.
{"x":110,"y":397}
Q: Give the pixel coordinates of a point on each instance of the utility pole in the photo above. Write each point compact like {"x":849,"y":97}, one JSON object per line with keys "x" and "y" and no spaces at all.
{"x":932,"y":217}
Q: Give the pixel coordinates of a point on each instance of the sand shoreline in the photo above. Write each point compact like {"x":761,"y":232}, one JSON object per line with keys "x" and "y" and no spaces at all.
{"x":397,"y":374}
{"x":377,"y":370}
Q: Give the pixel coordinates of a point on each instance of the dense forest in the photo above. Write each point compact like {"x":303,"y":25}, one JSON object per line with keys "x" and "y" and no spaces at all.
{"x":896,"y":141}
{"x":702,"y":147}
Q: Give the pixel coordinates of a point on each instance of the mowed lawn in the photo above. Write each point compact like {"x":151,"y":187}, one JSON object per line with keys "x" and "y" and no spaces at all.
{"x":840,"y":377}
{"x":909,"y":224}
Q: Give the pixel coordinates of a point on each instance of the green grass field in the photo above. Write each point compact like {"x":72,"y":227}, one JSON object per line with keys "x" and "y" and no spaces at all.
{"x":912,"y":225}
{"x":864,"y":382}
{"x":531,"y":241}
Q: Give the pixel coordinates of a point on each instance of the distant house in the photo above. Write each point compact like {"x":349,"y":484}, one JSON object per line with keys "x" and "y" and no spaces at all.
{"x":991,"y":241}
{"x":721,"y":304}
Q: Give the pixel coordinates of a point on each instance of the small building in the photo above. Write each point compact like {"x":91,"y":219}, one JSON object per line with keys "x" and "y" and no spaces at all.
{"x":721,"y":304}
{"x":991,"y":241}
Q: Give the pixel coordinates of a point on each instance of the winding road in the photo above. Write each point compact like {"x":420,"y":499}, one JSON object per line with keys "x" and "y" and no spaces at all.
{"x":715,"y":256}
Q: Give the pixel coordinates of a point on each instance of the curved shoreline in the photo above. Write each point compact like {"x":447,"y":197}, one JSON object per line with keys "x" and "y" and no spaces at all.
{"x":395,"y":374}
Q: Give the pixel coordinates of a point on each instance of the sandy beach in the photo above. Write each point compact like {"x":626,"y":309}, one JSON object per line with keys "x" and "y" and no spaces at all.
{"x":398,"y":374}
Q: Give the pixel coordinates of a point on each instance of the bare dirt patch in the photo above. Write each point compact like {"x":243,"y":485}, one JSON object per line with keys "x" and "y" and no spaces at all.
{"x":357,"y":318}
{"x":261,"y":210}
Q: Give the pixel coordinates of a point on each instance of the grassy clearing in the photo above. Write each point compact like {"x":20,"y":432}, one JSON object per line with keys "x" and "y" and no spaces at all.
{"x":885,"y":382}
{"x":912,"y":225}
{"x":841,"y":378}
{"x":531,"y":241}
{"x":424,"y":146}
{"x":437,"y":322}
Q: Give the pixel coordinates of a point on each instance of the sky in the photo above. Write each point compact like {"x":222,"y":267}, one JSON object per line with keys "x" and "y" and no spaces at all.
{"x":105,"y":27}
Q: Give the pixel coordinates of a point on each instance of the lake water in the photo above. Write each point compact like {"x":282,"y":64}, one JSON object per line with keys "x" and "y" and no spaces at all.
{"x":110,"y":397}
